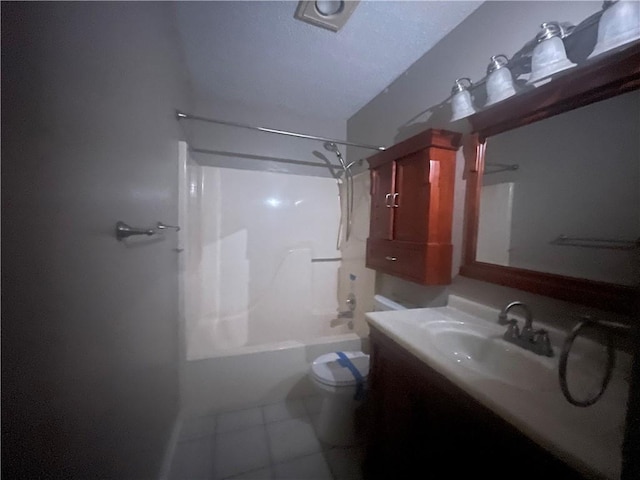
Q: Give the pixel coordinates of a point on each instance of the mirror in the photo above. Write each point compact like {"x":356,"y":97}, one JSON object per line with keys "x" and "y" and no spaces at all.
{"x":562,"y":195}
{"x":552,"y":204}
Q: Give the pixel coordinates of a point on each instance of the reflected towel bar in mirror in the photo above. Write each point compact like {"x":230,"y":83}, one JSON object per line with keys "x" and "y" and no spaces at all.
{"x":608,"y":243}
{"x":499,"y":167}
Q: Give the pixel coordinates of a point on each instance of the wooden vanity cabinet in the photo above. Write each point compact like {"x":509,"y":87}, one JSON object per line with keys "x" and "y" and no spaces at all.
{"x":426,"y":427}
{"x":412,"y":208}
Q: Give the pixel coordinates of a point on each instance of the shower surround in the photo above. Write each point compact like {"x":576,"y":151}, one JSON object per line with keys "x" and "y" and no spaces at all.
{"x":251,"y":278}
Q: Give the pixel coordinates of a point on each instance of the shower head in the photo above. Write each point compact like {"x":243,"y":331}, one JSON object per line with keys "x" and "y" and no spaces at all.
{"x":330,"y":146}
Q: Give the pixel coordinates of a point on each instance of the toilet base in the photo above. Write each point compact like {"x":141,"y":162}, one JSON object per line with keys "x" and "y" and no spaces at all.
{"x":336,"y":422}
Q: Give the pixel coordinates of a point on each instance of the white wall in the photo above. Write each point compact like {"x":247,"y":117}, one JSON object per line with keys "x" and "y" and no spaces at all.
{"x":90,"y":325}
{"x":395,"y":114}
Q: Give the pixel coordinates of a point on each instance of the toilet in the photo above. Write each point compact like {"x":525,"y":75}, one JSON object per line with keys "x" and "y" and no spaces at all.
{"x":342,"y":390}
{"x":342,"y":385}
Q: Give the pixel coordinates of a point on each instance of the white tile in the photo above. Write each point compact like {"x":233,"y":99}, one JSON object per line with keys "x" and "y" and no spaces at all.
{"x":313,"y":404}
{"x":198,"y":427}
{"x":240,"y":451}
{"x":284,"y":411}
{"x":291,"y":438}
{"x":345,"y":463}
{"x":309,"y":467}
{"x":193,"y":460}
{"x":314,"y":423}
{"x":229,"y":421}
{"x":261,"y":474}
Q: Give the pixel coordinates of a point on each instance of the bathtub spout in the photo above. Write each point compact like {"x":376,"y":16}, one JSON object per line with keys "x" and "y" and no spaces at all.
{"x":339,"y":321}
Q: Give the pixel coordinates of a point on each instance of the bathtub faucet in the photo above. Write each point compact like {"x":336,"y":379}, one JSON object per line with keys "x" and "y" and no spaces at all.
{"x":340,"y":319}
{"x":351,"y":303}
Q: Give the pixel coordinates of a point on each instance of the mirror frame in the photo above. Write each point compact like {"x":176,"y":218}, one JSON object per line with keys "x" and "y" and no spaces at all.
{"x":595,"y":80}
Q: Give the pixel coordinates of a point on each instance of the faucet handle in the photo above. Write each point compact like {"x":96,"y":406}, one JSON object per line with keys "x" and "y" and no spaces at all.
{"x":513,"y":332}
{"x":351,"y":302}
{"x":543,"y":342}
{"x":503,"y":320}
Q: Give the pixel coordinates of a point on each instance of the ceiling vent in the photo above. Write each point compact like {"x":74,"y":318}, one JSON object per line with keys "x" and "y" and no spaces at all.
{"x":329,"y":14}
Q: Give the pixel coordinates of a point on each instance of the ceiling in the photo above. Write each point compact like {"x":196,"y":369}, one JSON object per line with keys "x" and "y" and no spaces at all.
{"x":256,"y":53}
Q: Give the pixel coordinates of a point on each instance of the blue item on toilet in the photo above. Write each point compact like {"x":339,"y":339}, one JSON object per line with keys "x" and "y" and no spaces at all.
{"x":344,"y":361}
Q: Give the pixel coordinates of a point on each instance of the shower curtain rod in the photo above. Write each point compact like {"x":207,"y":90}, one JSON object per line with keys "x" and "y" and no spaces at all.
{"x":206,"y":151}
{"x":186,"y":116}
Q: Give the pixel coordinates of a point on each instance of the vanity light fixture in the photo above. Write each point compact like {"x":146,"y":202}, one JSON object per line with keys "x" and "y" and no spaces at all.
{"x":461,"y":103}
{"x":549,"y":55}
{"x":499,"y":80}
{"x":618,"y":25}
{"x":329,"y":14}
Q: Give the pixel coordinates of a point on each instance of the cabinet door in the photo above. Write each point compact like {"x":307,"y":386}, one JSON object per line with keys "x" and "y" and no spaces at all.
{"x":382,"y":179}
{"x":411,"y":204}
{"x":422,"y":421}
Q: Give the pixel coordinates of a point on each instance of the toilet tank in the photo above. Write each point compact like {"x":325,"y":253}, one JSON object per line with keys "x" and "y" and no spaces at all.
{"x":382,"y":303}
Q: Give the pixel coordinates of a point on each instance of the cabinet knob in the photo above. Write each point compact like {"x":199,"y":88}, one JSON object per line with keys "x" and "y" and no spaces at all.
{"x":395,"y":200}
{"x":391,"y":259}
{"x":387,"y":200}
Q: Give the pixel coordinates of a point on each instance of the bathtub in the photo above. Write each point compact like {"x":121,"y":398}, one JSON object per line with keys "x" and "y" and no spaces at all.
{"x":257,"y":375}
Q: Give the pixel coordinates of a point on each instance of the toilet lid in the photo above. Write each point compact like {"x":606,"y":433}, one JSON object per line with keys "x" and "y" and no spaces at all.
{"x":327,"y":370}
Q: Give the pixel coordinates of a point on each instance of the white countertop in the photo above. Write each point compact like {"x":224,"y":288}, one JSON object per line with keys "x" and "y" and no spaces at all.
{"x":589,"y":439}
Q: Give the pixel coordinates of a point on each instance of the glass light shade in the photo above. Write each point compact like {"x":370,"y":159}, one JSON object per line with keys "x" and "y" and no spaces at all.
{"x":499,"y":81}
{"x":549,"y":57}
{"x":461,"y":105}
{"x":619,"y":24}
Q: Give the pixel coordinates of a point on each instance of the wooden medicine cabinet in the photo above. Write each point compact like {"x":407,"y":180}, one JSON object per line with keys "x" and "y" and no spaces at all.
{"x":412,"y":187}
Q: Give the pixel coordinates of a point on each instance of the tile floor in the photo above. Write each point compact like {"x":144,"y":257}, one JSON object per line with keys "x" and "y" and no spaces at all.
{"x":272,"y":442}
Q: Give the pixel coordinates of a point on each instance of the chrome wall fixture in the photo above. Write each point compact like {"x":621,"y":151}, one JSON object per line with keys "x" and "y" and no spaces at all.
{"x":610,"y":328}
{"x":348,"y":181}
{"x":461,"y":103}
{"x":549,"y":55}
{"x":557,"y":46}
{"x":124,"y":231}
{"x":499,"y":80}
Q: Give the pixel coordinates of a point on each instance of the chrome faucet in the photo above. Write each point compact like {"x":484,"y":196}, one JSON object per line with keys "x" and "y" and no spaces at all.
{"x":536,"y":341}
{"x":351,"y":304}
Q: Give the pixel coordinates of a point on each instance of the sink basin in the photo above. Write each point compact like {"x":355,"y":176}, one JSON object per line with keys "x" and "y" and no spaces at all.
{"x":480,"y":348}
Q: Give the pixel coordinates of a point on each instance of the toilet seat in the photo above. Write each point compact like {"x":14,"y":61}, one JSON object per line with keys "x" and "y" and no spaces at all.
{"x":326,"y":369}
